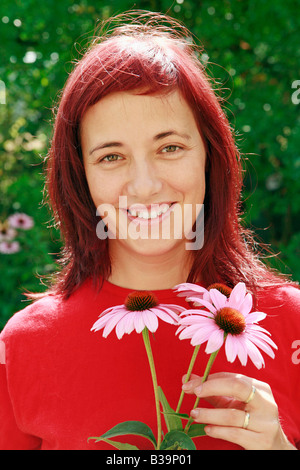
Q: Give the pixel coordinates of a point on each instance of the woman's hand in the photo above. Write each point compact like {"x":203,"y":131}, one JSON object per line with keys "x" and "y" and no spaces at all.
{"x":245,"y":411}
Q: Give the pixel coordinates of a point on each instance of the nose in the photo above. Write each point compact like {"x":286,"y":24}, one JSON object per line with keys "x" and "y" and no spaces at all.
{"x":144,"y":181}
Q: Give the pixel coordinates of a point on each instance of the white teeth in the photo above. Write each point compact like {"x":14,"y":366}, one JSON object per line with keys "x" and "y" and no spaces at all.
{"x":153,"y":214}
{"x":165,"y":208}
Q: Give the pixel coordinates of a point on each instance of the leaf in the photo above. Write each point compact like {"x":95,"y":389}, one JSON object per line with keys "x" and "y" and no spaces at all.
{"x":171,"y":418}
{"x":180,"y":415}
{"x":177,"y":440}
{"x":117,"y":445}
{"x":197,"y":430}
{"x":136,"y":428}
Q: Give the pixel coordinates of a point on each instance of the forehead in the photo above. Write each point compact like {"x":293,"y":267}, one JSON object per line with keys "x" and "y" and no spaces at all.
{"x":123,"y":110}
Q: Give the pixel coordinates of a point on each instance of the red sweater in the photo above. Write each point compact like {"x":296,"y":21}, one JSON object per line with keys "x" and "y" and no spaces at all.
{"x":63,"y":383}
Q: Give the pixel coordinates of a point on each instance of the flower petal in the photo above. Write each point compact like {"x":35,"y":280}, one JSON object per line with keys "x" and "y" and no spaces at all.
{"x":166,"y":314}
{"x":254,"y":317}
{"x":204,"y":303}
{"x":202,"y":335}
{"x":120,"y":330}
{"x":215,"y":341}
{"x":254,"y":354}
{"x":103,"y":320}
{"x":231,"y":347}
{"x":188,"y":332}
{"x":150,"y":320}
{"x":172,"y":307}
{"x":237,"y":295}
{"x":242,"y":349}
{"x":262,"y":341}
{"x":196,"y":314}
{"x":187,"y":288}
{"x":110,"y":324}
{"x":139,"y":323}
{"x":218,"y":299}
{"x":128,"y":322}
{"x":246,"y":304}
{"x":263,"y":346}
{"x":197,"y":327}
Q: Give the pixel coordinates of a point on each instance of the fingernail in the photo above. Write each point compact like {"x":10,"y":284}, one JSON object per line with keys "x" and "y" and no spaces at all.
{"x":187,"y":386}
{"x":194,"y":413}
{"x":207,"y":429}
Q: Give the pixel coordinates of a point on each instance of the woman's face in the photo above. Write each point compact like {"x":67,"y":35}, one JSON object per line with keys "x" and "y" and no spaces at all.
{"x":144,"y":160}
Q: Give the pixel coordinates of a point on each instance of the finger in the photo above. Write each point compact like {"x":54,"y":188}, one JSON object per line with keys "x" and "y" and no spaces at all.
{"x":194,"y":382}
{"x":231,"y":417}
{"x":249,"y":440}
{"x":225,"y":402}
{"x":219,"y":416}
{"x":236,"y":388}
{"x":227,"y":375}
{"x":212,"y":376}
{"x":263,"y":389}
{"x":192,"y":377}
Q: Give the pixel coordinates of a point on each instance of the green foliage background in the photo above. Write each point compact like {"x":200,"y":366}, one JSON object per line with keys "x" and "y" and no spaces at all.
{"x":252,"y":49}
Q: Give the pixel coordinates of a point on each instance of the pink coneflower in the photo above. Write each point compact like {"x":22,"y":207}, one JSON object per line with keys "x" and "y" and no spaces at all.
{"x":140,"y":310}
{"x":228,"y":320}
{"x":9,"y":248}
{"x":21,"y":221}
{"x":7,"y":233}
{"x":193,"y":292}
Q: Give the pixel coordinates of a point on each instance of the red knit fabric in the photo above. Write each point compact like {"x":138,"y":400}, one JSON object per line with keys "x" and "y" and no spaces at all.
{"x":63,"y":383}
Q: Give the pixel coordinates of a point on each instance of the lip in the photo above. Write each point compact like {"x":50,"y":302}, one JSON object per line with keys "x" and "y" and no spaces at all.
{"x":149,"y":208}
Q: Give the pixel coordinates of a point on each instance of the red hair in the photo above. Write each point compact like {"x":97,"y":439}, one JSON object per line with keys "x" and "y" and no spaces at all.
{"x":156,"y":59}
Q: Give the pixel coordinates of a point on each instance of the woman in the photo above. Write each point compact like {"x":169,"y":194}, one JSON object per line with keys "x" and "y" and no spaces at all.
{"x":140,"y":148}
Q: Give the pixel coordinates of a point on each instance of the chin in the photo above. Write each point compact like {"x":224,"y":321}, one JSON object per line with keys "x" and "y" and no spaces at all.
{"x":151,"y":248}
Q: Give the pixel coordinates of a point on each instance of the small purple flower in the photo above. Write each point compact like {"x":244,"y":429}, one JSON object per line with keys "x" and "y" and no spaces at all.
{"x":20,"y":221}
{"x":7,"y":233}
{"x":8,"y":248}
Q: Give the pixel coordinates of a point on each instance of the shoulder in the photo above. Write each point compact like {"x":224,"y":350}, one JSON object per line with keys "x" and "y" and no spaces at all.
{"x":28,"y":327}
{"x":282,"y":306}
{"x":47,"y":326}
{"x":280,"y":298}
{"x":49,"y":313}
{"x":33,"y":317}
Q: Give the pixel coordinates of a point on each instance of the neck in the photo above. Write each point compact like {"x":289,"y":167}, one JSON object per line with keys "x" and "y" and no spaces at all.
{"x":141,"y":272}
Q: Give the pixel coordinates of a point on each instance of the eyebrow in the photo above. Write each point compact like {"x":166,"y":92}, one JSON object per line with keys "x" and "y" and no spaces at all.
{"x":159,"y":136}
{"x":162,"y":135}
{"x":104,"y":146}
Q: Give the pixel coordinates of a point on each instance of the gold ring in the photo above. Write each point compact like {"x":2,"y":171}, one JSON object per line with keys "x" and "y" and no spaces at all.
{"x":246,"y":421}
{"x":251,"y":396}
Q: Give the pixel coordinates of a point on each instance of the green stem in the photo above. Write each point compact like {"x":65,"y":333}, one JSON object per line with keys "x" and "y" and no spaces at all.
{"x":155,"y":385}
{"x":188,"y":375}
{"x":204,"y":378}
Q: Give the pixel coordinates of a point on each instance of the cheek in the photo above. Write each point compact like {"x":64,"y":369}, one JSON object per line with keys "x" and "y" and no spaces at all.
{"x":103,"y":190}
{"x":193,"y":186}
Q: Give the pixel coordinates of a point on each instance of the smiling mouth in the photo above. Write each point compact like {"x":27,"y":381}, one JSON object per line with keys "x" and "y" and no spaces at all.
{"x":149,"y":213}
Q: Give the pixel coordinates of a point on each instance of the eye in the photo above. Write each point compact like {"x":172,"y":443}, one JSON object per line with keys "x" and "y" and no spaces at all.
{"x":111,"y":158}
{"x":171,"y":149}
